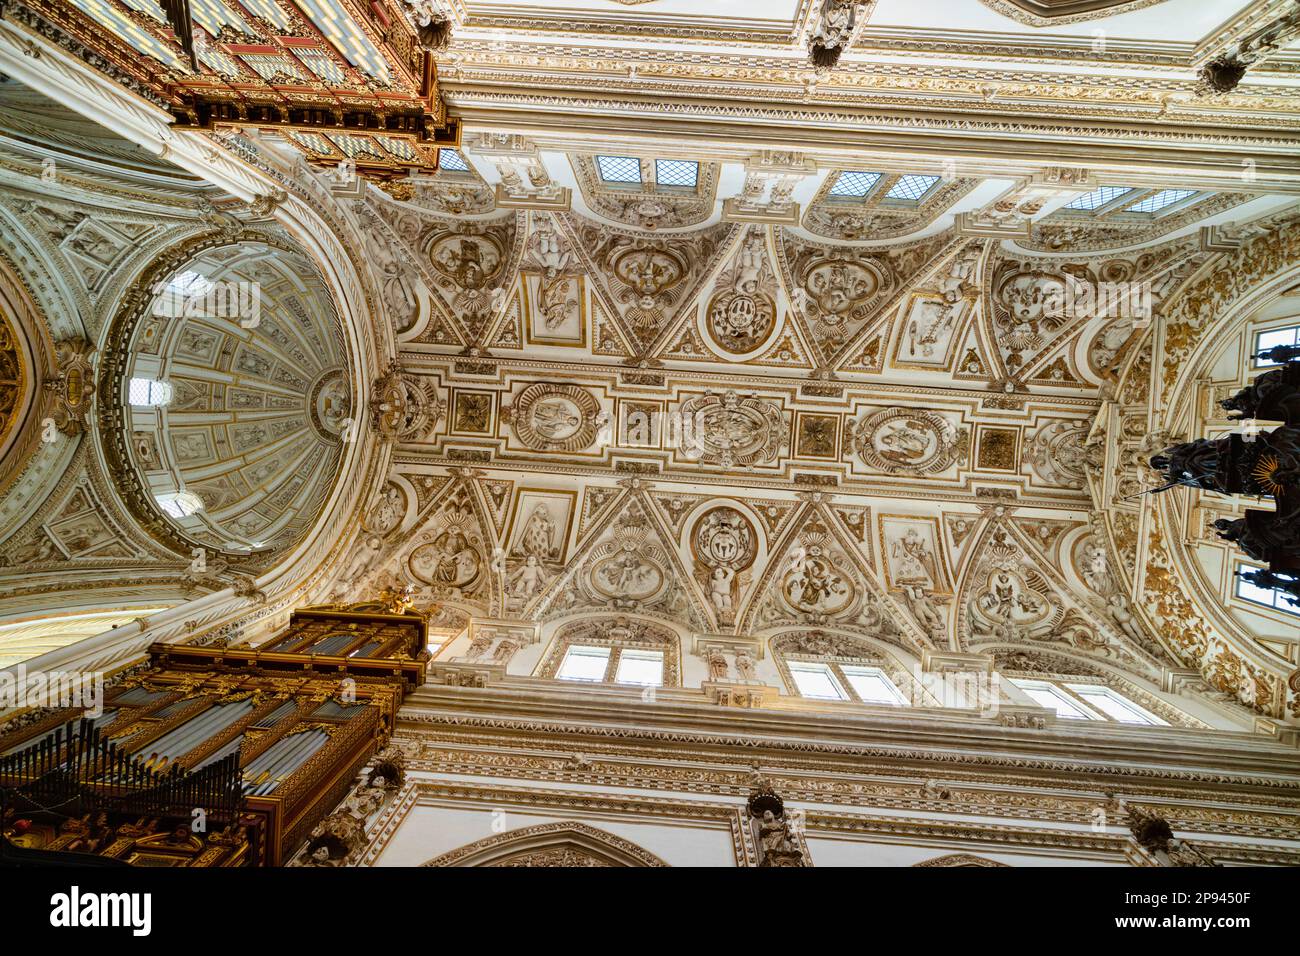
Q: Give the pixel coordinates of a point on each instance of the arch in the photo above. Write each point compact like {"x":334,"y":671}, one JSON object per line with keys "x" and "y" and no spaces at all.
{"x":618,"y":632}
{"x":1209,"y":311}
{"x":836,"y":646}
{"x":27,"y":364}
{"x":550,"y":844}
{"x":1053,"y":664}
{"x":1210,"y":588}
{"x":960,"y":859}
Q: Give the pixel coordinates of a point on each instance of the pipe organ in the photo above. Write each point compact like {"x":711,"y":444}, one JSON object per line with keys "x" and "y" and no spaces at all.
{"x":139,"y":781}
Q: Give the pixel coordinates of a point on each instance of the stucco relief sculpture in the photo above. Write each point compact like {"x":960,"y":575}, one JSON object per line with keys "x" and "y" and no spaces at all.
{"x":731,"y":429}
{"x":724,"y":545}
{"x":910,"y":441}
{"x":741,"y":313}
{"x":1058,"y":453}
{"x":387,"y":511}
{"x":403,"y":406}
{"x":554,"y":417}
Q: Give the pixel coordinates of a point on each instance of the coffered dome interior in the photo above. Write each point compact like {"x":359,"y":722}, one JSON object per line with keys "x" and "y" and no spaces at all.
{"x":236,"y":397}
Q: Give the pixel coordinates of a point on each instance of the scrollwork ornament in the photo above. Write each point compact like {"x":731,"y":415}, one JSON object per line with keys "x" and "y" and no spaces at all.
{"x":402,"y":407}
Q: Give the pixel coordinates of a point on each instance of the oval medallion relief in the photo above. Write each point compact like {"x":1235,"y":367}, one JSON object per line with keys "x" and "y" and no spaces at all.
{"x":555,"y":417}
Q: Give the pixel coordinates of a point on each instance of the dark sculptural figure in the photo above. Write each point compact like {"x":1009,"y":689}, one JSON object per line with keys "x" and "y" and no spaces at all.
{"x":1279,"y":353}
{"x":1274,"y":395}
{"x":1259,"y":535}
{"x":1193,"y":463}
{"x":1261,"y":464}
{"x":1266,"y":463}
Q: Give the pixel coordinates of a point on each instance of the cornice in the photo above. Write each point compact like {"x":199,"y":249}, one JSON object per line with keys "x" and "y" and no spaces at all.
{"x":897,"y":127}
{"x":845,"y":492}
{"x":1251,"y":17}
{"x":855,"y":385}
{"x":914,"y":829}
{"x":825,"y":782}
{"x":1101,"y":756}
{"x":1052,"y":92}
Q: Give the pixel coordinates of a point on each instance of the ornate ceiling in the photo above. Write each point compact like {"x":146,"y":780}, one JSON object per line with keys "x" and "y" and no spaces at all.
{"x":738,"y":427}
{"x":807,"y":362}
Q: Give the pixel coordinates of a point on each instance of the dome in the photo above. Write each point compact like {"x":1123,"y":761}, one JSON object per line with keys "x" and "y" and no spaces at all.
{"x":13,"y":376}
{"x":234,"y":398}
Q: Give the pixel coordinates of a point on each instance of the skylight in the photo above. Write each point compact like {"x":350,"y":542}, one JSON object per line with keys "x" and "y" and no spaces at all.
{"x":1053,"y":698}
{"x":1161,"y":200}
{"x":451,"y":160}
{"x":676,"y":172}
{"x":619,"y":169}
{"x":182,"y":295}
{"x":1098,"y":197}
{"x":815,"y":681}
{"x":584,"y":664}
{"x":1114,"y":706}
{"x":854,"y":183}
{"x":640,"y":667}
{"x":872,"y":686}
{"x":179,"y":504}
{"x":911,"y":188}
{"x":189,"y":283}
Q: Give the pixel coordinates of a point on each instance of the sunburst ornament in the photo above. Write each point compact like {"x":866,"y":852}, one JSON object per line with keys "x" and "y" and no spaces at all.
{"x":1264,"y":472}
